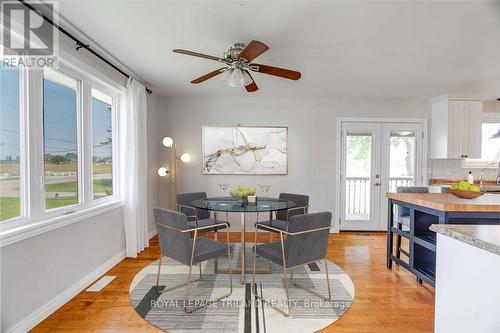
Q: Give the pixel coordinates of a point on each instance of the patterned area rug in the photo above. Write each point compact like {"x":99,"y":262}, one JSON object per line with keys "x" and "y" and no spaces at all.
{"x":240,"y":312}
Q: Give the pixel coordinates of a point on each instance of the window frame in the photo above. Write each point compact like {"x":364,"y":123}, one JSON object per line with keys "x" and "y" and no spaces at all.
{"x":114,"y":146}
{"x":490,"y":118}
{"x":79,"y":148}
{"x":479,"y":163}
{"x":23,"y":165}
{"x":34,"y":216}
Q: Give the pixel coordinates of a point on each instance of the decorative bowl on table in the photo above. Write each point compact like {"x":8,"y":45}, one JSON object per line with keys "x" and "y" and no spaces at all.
{"x":243,"y":193}
{"x":465,"y":194}
{"x":465,"y":190}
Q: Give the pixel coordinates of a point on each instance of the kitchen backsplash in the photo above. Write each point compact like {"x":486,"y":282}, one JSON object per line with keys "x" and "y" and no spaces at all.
{"x":455,"y":169}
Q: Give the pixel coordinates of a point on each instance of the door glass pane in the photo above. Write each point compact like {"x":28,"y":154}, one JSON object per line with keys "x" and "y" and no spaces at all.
{"x":60,"y":139}
{"x":10,"y":186}
{"x":358,"y":171}
{"x":102,"y":168}
{"x":402,"y":160}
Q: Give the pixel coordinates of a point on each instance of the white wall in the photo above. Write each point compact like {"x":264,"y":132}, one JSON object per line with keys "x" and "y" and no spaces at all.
{"x":312,"y":138}
{"x":40,"y":270}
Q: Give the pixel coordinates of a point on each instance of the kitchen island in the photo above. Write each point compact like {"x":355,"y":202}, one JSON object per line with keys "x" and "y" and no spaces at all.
{"x":467,"y":300}
{"x":425,"y":210}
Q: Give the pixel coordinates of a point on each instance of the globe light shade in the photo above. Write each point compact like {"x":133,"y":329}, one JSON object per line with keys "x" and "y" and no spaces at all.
{"x":162,"y":172}
{"x":168,"y":141}
{"x":236,"y":77}
{"x":185,"y":157}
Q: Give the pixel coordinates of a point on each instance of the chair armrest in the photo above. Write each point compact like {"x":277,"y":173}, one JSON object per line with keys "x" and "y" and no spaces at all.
{"x":308,"y":231}
{"x":293,"y":209}
{"x":263,"y":226}
{"x":206,"y":227}
{"x":193,"y":229}
{"x":187,"y":207}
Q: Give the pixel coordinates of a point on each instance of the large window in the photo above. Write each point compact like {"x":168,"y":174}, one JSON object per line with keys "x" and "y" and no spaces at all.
{"x":10,"y":144}
{"x":60,"y":137}
{"x":102,"y":148}
{"x":62,"y":122}
{"x":490,"y":143}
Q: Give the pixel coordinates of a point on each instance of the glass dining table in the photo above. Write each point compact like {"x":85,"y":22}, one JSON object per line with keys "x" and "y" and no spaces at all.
{"x":234,"y":205}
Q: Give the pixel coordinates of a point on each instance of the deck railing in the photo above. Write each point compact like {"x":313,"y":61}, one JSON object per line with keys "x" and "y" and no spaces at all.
{"x":358,"y":194}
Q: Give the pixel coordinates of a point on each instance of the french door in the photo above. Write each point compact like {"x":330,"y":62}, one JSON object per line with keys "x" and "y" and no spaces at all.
{"x":376,"y":157}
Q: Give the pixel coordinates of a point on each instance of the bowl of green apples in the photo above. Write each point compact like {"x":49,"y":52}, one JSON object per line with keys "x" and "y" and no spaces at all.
{"x":465,"y":190}
{"x":242,"y":192}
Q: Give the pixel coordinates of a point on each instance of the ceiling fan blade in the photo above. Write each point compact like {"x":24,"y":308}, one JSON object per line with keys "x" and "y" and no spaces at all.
{"x":276,"y":71}
{"x":200,"y":55}
{"x":253,"y":50}
{"x":209,"y":75}
{"x":252,"y":86}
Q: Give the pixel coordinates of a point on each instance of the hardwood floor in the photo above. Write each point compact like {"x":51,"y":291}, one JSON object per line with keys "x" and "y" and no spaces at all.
{"x":385,"y":301}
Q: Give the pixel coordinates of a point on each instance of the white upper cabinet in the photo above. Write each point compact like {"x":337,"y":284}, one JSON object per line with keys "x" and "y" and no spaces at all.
{"x":456,"y":128}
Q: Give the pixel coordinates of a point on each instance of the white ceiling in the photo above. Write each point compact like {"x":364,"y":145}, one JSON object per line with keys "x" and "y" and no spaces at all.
{"x":400,"y":49}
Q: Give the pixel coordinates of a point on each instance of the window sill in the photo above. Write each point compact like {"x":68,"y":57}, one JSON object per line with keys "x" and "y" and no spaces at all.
{"x":32,"y":229}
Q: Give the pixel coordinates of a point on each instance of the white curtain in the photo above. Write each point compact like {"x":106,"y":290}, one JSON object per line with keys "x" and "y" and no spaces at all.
{"x":133,"y":143}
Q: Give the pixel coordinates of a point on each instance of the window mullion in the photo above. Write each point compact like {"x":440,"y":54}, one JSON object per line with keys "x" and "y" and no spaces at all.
{"x":86,"y":140}
{"x":24,"y":143}
{"x":34,"y":160}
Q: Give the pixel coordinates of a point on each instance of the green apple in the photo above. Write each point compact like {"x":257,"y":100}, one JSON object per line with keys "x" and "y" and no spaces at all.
{"x":474,"y":188}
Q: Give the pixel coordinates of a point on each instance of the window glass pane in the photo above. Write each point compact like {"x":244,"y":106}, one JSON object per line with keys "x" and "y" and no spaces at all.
{"x":10,"y":182}
{"x":490,"y":144}
{"x":402,"y":160}
{"x":102,"y":170}
{"x":60,"y":139}
{"x":358,"y":170}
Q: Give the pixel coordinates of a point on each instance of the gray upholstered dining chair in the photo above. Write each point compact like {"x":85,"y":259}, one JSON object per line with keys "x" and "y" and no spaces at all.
{"x":283,"y":216}
{"x":403,"y":216}
{"x":176,"y":243}
{"x":306,"y":242}
{"x":197,"y":217}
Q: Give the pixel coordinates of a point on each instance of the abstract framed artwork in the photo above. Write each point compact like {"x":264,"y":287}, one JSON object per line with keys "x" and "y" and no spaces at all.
{"x":245,"y":150}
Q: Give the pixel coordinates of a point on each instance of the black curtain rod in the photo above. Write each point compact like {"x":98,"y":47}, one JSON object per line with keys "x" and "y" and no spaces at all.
{"x":79,"y":44}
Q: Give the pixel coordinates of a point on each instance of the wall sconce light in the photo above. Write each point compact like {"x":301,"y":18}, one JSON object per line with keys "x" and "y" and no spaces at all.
{"x":184,"y":157}
{"x":172,"y":170}
{"x":168,"y":141}
{"x":162,"y":172}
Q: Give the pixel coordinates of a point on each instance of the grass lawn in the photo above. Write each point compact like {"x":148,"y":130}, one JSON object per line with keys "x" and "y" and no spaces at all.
{"x":100,"y":185}
{"x":9,"y":207}
{"x":59,"y":202}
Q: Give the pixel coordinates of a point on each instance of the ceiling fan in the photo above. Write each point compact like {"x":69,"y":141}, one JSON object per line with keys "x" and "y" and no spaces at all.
{"x":238,"y":64}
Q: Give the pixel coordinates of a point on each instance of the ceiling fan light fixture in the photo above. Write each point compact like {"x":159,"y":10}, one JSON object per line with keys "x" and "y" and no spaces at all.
{"x":246,"y":79}
{"x":235,"y":77}
{"x":238,"y":62}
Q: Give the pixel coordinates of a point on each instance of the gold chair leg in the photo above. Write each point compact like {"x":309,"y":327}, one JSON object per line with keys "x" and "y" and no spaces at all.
{"x":254,"y":286}
{"x":216,"y":262}
{"x":165,"y":288}
{"x":204,"y":304}
{"x":312,"y":291}
{"x":270,"y":240}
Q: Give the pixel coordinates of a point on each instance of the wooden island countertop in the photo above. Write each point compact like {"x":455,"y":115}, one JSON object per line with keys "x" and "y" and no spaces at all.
{"x":446,"y":202}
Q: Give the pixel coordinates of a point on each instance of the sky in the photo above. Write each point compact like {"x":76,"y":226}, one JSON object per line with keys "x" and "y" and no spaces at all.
{"x":9,"y":113}
{"x":60,"y":119}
